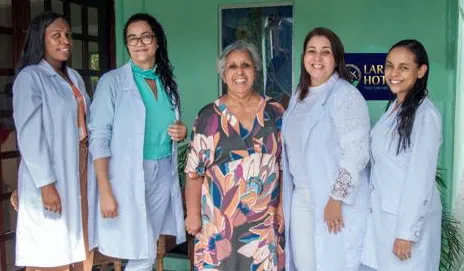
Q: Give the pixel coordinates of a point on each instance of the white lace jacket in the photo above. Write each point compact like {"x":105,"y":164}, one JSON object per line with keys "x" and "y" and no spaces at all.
{"x":335,"y":152}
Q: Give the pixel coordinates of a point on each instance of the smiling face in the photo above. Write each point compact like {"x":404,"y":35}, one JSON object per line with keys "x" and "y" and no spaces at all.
{"x":58,"y":43}
{"x":143,"y":53}
{"x":402,"y":71}
{"x":239,"y":73}
{"x":319,"y":61}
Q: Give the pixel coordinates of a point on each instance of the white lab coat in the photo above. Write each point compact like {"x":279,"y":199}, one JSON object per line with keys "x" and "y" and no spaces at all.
{"x":45,"y":114}
{"x":405,"y":199}
{"x":337,"y":136}
{"x":117,"y":128}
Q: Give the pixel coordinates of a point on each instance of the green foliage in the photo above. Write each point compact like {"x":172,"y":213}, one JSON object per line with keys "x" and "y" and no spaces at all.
{"x":452,"y":247}
{"x":182,"y":152}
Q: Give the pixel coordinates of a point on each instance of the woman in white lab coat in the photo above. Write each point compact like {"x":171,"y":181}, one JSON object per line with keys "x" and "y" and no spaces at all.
{"x":405,"y":221}
{"x":50,"y":106}
{"x":134,"y":130}
{"x":326,"y":149}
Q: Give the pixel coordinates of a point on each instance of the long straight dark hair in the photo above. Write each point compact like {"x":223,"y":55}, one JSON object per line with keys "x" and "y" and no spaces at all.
{"x":338,"y":52}
{"x":414,"y":97}
{"x":34,"y":46}
{"x":163,"y":65}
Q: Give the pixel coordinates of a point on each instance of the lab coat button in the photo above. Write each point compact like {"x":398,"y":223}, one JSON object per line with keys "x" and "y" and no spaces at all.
{"x":417,"y":234}
{"x":421,"y":218}
{"x":425,"y":202}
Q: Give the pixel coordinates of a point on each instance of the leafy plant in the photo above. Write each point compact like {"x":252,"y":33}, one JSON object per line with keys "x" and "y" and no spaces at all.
{"x":182,"y":151}
{"x":452,"y":246}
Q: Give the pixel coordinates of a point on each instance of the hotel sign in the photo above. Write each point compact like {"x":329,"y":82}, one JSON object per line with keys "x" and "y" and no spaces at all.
{"x":368,"y":73}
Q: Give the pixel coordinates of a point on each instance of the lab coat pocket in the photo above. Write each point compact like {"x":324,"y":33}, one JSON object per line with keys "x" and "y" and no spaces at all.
{"x":390,"y":205}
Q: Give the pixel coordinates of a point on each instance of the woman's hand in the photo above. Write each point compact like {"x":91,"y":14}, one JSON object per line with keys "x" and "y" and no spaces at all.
{"x":177,"y":131}
{"x":193,"y":224}
{"x":402,"y":249}
{"x":108,"y":205}
{"x":51,"y":198}
{"x":333,"y":215}
{"x":280,"y":218}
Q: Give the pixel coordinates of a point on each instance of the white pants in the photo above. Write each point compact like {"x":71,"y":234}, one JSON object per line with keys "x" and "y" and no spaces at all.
{"x":158,"y":181}
{"x":302,"y":230}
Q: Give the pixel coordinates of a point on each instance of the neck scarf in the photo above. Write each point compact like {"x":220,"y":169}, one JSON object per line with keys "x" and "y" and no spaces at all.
{"x":145,"y":74}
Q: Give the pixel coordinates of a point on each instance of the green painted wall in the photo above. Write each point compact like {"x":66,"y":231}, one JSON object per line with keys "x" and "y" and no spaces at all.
{"x":459,"y":127}
{"x":365,"y":26}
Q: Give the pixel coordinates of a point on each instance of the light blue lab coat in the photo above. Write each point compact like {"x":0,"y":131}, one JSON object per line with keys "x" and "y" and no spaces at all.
{"x":45,"y":115}
{"x":117,"y":128}
{"x":336,"y":135}
{"x":405,"y":199}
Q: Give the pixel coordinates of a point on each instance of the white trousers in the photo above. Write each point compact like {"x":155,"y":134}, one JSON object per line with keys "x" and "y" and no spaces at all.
{"x":302,"y":230}
{"x":158,"y":181}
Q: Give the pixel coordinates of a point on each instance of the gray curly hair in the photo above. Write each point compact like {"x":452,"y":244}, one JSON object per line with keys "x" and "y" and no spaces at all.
{"x":239,"y":45}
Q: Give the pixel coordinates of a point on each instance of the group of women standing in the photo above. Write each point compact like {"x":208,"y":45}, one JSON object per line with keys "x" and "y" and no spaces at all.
{"x":125,"y":192}
{"x":309,"y":189}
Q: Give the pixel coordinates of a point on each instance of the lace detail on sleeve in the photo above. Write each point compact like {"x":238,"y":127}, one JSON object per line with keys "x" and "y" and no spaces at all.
{"x":351,"y":121}
{"x":343,"y":185}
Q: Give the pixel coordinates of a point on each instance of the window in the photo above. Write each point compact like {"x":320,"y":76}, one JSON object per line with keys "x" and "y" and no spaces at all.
{"x":269,"y":28}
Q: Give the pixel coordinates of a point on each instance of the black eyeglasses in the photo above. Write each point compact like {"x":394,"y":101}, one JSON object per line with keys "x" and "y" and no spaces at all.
{"x":146,"y":39}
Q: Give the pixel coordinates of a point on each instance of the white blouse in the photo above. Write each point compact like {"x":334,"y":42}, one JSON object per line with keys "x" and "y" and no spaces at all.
{"x":296,"y":134}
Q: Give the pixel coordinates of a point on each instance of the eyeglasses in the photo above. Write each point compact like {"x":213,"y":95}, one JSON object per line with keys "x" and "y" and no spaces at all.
{"x":146,"y":39}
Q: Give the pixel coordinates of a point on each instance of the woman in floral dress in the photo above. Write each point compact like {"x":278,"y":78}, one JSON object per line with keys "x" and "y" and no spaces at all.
{"x":233,"y":189}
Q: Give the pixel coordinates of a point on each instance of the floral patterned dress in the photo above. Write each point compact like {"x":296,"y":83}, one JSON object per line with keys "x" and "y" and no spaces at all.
{"x":240,"y":190}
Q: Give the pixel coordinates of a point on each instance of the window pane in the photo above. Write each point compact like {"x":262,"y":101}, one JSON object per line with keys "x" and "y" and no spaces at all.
{"x":271,"y":29}
{"x":77,"y":54}
{"x":93,"y":85}
{"x":5,"y":13}
{"x":6,"y":109}
{"x":94,"y":63}
{"x":36,"y":7}
{"x":93,"y":21}
{"x":76,"y":18}
{"x":88,"y":85}
{"x":6,"y":49}
{"x":57,"y":6}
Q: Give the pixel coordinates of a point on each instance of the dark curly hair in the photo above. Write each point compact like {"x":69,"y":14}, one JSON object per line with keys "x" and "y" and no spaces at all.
{"x":338,"y":52}
{"x":34,"y":46}
{"x":414,"y":97}
{"x":163,"y":65}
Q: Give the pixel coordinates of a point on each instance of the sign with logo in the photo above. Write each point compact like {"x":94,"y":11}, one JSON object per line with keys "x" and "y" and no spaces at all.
{"x":368,"y":73}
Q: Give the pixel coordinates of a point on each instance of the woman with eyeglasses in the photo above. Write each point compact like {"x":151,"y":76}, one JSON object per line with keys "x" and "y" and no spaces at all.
{"x":134,"y":132}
